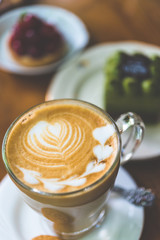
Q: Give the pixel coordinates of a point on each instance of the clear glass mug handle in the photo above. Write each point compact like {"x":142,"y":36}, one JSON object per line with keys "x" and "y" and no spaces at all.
{"x":133,"y":122}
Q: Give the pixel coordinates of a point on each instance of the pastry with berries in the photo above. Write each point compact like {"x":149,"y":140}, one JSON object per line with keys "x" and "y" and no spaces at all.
{"x":132,"y":83}
{"x":35,"y":42}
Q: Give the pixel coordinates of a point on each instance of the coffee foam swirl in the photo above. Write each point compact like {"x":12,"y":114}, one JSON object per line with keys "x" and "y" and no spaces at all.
{"x":64,"y":151}
{"x":102,"y":134}
{"x":55,"y":184}
{"x":59,"y":141}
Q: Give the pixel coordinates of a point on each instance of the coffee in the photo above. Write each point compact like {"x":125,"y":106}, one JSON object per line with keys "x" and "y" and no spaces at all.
{"x":64,"y":156}
{"x":60,"y":147}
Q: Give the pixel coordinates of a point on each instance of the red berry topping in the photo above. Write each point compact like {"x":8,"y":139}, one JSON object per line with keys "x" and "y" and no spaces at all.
{"x":17,"y":47}
{"x":34,"y":37}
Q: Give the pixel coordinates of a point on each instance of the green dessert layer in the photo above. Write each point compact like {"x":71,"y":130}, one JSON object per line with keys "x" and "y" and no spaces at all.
{"x":133,"y":84}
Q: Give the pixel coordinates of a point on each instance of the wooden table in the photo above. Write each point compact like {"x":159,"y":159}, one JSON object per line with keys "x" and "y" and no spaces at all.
{"x":106,"y":20}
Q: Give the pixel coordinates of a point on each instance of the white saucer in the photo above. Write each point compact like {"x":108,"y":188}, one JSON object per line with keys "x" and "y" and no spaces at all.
{"x":72,"y":28}
{"x":123,"y":221}
{"x":82,"y":78}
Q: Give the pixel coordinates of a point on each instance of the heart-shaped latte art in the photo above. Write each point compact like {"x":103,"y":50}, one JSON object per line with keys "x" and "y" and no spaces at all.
{"x":54,"y":129}
{"x":102,"y":152}
{"x":59,"y":140}
{"x":102,"y":134}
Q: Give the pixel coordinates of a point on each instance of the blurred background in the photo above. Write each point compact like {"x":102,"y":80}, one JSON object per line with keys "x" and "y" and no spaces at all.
{"x":106,"y":21}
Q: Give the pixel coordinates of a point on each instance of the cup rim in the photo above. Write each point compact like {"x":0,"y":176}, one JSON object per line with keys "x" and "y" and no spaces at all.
{"x":52,"y":194}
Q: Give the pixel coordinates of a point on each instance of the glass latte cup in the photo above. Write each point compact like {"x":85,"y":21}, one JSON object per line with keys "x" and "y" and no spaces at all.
{"x":63,"y":156}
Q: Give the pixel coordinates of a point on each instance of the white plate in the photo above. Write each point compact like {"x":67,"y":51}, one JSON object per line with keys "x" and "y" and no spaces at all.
{"x":123,"y":221}
{"x":82,"y":78}
{"x":72,"y":28}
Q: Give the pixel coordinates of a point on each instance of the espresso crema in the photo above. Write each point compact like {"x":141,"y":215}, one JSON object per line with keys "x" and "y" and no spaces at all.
{"x":61,"y":147}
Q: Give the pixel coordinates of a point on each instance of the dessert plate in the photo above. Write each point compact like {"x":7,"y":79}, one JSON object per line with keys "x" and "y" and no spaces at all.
{"x":123,"y":220}
{"x":82,"y":78}
{"x":71,"y":27}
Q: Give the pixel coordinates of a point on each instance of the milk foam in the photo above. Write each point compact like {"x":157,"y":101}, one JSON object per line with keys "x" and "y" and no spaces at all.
{"x":47,"y":140}
{"x":102,"y":152}
{"x":63,"y":151}
{"x":56,"y":184}
{"x":30,"y":176}
{"x":102,"y":134}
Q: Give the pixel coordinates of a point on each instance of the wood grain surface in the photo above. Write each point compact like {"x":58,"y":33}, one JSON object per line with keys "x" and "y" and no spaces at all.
{"x":106,"y":20}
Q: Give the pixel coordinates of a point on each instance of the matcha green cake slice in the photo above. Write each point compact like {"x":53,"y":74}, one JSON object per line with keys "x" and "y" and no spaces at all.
{"x":132,"y":83}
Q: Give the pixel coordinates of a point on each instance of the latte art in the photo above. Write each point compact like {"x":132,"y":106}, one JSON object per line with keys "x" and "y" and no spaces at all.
{"x":58,"y":141}
{"x":102,"y":134}
{"x":55,"y":184}
{"x":62,"y":148}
